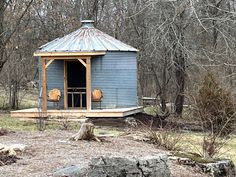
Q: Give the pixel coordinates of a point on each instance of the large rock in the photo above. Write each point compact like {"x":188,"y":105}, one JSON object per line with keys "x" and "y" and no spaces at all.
{"x":220,"y":168}
{"x":71,"y":171}
{"x":151,"y":166}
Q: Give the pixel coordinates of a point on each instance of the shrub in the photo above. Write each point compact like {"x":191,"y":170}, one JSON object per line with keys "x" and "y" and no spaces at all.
{"x":215,"y":108}
{"x":216,"y":112}
{"x":166,"y":137}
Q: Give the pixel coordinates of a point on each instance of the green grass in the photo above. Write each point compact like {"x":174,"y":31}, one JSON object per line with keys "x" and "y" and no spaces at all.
{"x":192,"y":142}
{"x":16,"y":124}
{"x":151,"y":110}
{"x":108,"y":130}
{"x":195,"y":157}
{"x":27,"y":99}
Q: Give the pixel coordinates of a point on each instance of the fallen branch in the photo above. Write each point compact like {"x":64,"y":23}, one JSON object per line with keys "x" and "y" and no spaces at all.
{"x":6,"y":158}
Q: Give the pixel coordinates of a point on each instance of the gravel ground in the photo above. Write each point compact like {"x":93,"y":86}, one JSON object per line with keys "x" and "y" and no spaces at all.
{"x":51,"y":150}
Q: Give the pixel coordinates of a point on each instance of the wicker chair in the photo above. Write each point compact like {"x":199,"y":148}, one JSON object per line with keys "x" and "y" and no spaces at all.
{"x":54,"y":96}
{"x":97,"y":96}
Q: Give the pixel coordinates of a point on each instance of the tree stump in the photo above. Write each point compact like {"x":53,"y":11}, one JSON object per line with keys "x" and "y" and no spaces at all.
{"x":86,"y":132}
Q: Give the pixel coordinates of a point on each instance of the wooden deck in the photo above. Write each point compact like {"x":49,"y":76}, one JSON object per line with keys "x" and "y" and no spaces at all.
{"x":119,"y":112}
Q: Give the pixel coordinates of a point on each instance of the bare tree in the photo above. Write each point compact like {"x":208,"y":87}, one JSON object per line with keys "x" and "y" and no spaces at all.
{"x":6,"y":34}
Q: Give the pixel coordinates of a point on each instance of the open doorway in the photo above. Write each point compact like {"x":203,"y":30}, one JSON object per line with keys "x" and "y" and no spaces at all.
{"x":76,"y":85}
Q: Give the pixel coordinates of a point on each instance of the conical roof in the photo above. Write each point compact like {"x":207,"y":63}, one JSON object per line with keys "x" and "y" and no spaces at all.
{"x":86,"y":39}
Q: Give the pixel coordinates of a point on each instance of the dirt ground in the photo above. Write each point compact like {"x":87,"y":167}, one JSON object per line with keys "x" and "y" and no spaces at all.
{"x":51,"y":150}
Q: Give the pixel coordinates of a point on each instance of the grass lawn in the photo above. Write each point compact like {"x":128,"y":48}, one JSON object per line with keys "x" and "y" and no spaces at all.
{"x":192,"y":142}
{"x":27,"y":98}
{"x":15,"y":124}
{"x":18,"y":125}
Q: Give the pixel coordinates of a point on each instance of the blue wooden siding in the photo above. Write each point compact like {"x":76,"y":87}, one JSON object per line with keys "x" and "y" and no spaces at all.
{"x":55,"y":78}
{"x":116,"y":75}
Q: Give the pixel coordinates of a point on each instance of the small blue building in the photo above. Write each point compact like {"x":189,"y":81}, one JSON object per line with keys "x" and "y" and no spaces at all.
{"x":85,"y":60}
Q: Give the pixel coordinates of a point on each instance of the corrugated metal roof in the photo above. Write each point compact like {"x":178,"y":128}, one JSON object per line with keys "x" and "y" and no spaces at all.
{"x":86,"y":39}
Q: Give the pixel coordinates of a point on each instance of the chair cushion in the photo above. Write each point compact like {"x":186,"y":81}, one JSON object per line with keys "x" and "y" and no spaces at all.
{"x":54,"y":95}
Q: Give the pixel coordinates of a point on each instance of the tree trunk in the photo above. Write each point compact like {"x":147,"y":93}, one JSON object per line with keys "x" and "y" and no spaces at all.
{"x":163,"y":104}
{"x":180,"y":80}
{"x":86,"y":132}
{"x":163,"y":94}
{"x":14,"y":101}
{"x":180,"y":67}
{"x":2,"y":46}
{"x":78,"y":5}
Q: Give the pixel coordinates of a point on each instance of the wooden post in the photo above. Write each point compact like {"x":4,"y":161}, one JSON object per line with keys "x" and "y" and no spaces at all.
{"x":88,"y":83}
{"x":44,"y":85}
{"x":65,"y":86}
